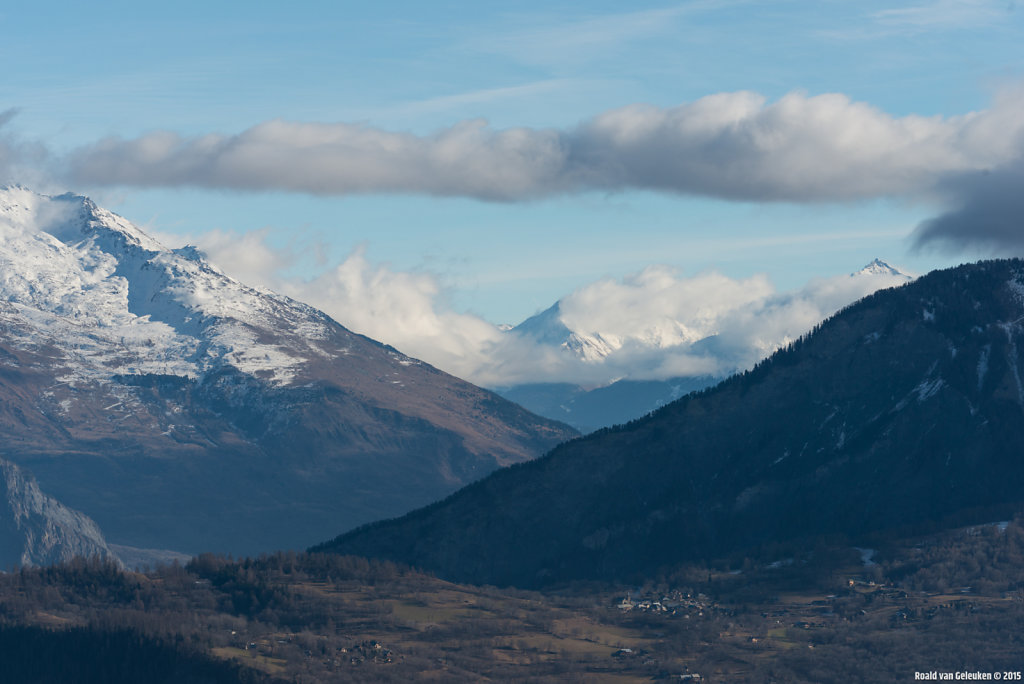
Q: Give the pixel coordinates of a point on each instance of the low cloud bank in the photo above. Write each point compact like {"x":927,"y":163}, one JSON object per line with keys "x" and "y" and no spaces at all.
{"x":660,"y":322}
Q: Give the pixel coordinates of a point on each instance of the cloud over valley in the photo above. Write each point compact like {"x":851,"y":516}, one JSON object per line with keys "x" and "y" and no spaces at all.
{"x":654,"y":324}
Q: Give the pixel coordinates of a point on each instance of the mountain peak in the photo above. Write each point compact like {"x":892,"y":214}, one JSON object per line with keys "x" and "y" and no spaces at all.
{"x":660,"y":312}
{"x":146,"y":388}
{"x":877,"y":267}
{"x":90,"y":282}
{"x":69,"y":218}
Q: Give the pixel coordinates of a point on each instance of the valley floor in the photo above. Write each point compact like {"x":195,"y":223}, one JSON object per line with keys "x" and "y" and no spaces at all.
{"x":945,"y":603}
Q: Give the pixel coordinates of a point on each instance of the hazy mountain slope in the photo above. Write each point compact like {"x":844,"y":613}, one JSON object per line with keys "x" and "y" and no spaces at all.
{"x":614,"y":404}
{"x":148,"y":389}
{"x":904,"y":408}
{"x":36,"y":529}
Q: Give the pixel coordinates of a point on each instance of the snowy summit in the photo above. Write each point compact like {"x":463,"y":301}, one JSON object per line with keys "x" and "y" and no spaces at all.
{"x":117,"y":302}
{"x":880,"y":268}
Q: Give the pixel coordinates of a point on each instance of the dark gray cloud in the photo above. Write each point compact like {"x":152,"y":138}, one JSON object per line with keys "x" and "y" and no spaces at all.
{"x":735,"y":146}
{"x":987,"y":213}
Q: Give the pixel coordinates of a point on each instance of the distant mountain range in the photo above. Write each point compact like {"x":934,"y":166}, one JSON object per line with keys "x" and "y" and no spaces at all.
{"x":181,"y":409}
{"x":552,"y":327}
{"x":904,"y":409}
{"x":588,"y":409}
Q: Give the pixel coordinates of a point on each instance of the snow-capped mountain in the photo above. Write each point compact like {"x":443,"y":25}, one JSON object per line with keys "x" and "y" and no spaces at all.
{"x":877,"y":267}
{"x":148,"y":389}
{"x":592,"y":344}
{"x":645,"y":360}
{"x":549,"y":329}
{"x":902,"y":413}
{"x":118,"y":302}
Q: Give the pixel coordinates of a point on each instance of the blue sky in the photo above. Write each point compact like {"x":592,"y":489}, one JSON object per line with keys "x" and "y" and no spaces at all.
{"x":79,"y":74}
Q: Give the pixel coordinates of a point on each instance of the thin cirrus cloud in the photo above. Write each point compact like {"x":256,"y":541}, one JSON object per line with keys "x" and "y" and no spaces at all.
{"x":938,"y":16}
{"x":582,"y":40}
{"x":736,"y":146}
{"x":942,"y":14}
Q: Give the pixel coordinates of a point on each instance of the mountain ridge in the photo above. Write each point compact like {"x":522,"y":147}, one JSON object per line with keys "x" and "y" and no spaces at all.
{"x":146,"y":388}
{"x":902,"y":408}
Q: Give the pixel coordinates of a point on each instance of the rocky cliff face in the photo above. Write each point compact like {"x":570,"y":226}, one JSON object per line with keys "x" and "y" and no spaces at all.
{"x":36,"y":529}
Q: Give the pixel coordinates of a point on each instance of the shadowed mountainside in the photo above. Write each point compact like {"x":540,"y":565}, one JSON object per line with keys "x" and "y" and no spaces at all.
{"x":903,"y":409}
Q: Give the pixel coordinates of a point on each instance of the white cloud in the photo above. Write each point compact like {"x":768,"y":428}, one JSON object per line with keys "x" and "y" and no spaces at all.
{"x":404,"y":309}
{"x":669,"y":324}
{"x":654,"y":317}
{"x":751,"y":332}
{"x":736,"y":146}
{"x":248,"y":257}
{"x":659,"y":306}
{"x":983,"y":207}
{"x":804,"y":149}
